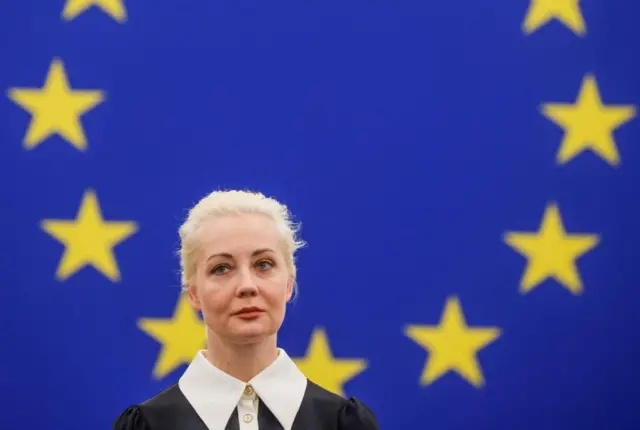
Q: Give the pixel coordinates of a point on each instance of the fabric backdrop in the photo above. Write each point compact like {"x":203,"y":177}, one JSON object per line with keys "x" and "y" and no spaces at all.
{"x":466,"y":174}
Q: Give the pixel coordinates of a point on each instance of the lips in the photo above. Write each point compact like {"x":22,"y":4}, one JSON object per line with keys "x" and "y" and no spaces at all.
{"x":249,"y":312}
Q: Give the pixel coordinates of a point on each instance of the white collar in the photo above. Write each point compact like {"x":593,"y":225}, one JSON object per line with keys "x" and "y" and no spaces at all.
{"x":215,"y":394}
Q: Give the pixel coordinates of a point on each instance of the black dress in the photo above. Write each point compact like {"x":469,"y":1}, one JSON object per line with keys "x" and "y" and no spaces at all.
{"x":320,"y":410}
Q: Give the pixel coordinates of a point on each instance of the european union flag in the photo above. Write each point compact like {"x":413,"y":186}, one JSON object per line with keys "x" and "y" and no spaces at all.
{"x":463,"y":171}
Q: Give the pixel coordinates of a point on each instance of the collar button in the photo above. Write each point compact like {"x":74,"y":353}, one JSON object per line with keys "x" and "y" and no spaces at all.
{"x":248,"y":390}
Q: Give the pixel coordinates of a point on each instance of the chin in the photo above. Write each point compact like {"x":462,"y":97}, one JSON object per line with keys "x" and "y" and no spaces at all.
{"x":251,"y":332}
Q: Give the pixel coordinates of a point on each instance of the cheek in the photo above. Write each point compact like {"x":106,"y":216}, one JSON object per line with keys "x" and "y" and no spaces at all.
{"x":277,"y":297}
{"x":214,"y":299}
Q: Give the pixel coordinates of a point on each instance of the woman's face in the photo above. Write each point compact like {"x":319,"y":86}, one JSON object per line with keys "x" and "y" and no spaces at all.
{"x":242,"y":283}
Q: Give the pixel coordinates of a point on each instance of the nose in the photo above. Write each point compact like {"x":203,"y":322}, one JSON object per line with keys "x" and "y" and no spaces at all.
{"x":247,"y":285}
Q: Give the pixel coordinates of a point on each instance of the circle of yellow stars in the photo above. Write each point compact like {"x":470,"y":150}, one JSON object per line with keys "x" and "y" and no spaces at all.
{"x":588,"y":125}
{"x":56,"y":108}
{"x":452,"y":345}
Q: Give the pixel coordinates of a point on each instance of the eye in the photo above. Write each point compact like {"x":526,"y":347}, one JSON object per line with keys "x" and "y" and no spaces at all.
{"x":219,"y":270}
{"x":264,"y":264}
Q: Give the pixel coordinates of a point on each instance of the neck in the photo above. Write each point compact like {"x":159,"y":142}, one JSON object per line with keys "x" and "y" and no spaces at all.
{"x":242,"y":361}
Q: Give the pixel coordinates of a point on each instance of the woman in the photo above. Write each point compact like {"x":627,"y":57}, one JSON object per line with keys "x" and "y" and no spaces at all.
{"x":238,"y":269}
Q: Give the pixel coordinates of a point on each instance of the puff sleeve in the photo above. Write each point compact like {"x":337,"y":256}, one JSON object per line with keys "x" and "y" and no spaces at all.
{"x":355,"y":415}
{"x":131,"y":419}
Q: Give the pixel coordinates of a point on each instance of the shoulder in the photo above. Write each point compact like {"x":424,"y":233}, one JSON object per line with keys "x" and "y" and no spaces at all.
{"x":131,"y":418}
{"x":143,"y":415}
{"x":351,"y":413}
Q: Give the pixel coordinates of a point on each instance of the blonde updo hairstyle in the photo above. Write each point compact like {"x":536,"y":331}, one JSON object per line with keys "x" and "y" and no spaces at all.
{"x":221,"y":203}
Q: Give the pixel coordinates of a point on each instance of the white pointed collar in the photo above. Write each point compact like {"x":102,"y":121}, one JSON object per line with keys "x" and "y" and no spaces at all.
{"x":215,"y":394}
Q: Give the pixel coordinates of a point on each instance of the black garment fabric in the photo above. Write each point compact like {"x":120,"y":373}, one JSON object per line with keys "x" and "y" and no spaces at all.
{"x":320,"y":410}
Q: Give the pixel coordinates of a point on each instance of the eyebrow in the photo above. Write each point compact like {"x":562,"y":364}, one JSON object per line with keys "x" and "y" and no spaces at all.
{"x":253,"y":254}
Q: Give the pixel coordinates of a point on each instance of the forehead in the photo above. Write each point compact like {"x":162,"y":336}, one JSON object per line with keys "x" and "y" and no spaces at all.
{"x":236,"y":234}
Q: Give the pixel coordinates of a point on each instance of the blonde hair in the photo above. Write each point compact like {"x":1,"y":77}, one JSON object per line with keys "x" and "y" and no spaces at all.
{"x":220,"y":203}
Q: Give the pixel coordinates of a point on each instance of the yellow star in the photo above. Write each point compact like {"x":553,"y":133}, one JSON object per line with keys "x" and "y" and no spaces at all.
{"x":89,"y":239}
{"x":551,"y":252}
{"x":181,"y":336}
{"x":452,"y":345}
{"x":114,"y":8}
{"x":541,"y":12}
{"x":321,"y":367}
{"x":588,"y":123}
{"x":56,"y":108}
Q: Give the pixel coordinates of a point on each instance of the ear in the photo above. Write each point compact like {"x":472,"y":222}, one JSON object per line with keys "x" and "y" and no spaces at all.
{"x":193,"y":297}
{"x":290,"y":288}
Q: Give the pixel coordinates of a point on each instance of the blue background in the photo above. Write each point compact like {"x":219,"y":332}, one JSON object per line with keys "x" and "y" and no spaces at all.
{"x":406,"y":136}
